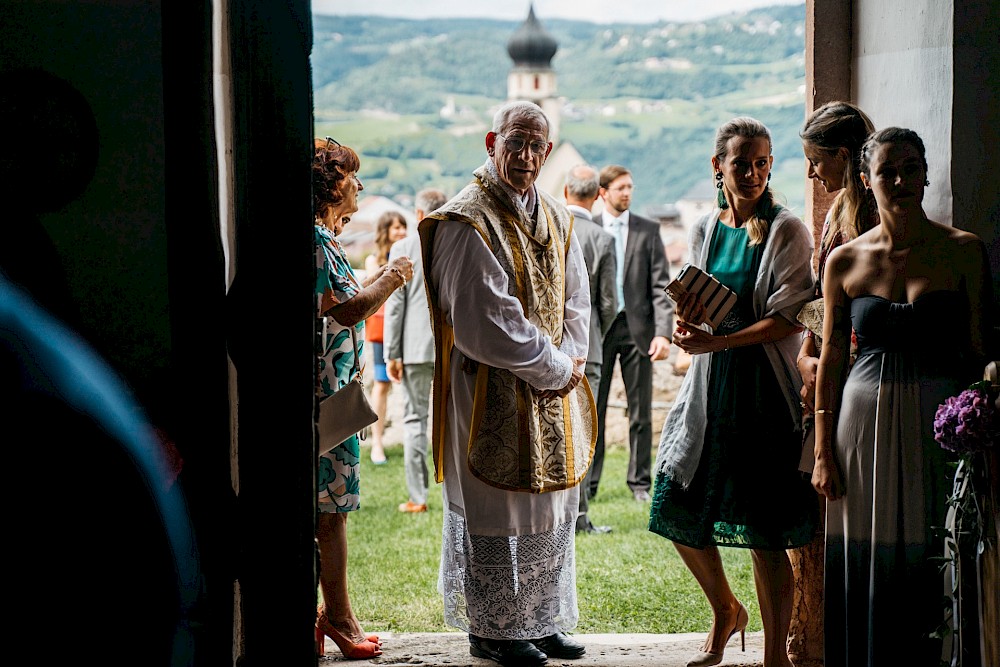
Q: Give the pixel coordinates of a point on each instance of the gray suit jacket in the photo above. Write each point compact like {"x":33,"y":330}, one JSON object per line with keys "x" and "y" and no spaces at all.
{"x":648,"y":310}
{"x":599,"y":253}
{"x":407,"y":331}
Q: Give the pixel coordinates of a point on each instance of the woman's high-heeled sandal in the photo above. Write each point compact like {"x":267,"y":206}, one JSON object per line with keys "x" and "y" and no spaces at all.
{"x":370,"y":647}
{"x":707,"y":659}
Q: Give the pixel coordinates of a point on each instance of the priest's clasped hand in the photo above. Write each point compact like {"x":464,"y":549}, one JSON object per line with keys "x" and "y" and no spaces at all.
{"x":578,"y":365}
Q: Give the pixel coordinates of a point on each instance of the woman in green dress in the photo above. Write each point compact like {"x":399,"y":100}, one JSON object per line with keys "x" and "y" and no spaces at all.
{"x":727,"y":466}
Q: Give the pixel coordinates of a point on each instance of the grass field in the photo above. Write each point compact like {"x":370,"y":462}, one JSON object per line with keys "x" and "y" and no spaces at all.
{"x":628,"y":581}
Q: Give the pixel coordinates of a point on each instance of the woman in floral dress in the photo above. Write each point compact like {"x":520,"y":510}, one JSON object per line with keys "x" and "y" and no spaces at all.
{"x":344,"y":303}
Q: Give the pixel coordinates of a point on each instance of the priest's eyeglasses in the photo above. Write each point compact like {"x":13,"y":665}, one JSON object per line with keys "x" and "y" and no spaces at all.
{"x":517,"y":144}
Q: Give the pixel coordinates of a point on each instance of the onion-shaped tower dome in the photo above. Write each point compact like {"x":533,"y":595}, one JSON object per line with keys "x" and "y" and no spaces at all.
{"x":530,"y":45}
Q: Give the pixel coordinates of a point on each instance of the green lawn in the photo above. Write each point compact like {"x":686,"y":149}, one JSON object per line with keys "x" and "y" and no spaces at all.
{"x":628,"y":581}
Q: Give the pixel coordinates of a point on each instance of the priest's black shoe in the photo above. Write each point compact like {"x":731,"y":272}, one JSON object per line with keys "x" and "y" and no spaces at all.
{"x":560,"y":646}
{"x":508,"y":652}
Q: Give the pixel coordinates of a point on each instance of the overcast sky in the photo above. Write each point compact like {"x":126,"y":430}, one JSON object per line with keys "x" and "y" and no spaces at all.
{"x":598,"y":11}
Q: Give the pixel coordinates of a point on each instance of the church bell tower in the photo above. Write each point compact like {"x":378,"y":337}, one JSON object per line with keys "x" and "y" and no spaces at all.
{"x":532,"y":78}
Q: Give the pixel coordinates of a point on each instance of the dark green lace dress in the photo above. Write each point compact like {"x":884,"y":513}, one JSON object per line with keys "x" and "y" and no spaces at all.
{"x":747,"y":491}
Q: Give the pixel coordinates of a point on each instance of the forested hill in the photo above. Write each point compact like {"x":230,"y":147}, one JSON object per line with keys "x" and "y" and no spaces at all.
{"x":643,"y":95}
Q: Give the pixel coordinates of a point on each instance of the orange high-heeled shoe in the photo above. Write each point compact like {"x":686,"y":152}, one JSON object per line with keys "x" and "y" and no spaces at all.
{"x":707,"y":659}
{"x":370,"y":647}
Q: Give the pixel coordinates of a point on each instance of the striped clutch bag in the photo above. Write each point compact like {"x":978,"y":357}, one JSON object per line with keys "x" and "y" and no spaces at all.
{"x":716,"y":297}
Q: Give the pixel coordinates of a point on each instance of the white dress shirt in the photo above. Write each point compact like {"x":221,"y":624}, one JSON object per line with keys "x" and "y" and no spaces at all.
{"x":618,"y":228}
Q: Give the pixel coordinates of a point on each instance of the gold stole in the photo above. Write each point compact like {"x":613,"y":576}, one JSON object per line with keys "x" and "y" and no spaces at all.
{"x":517,"y":441}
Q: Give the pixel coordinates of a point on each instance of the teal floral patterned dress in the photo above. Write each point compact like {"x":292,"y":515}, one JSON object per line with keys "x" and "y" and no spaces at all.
{"x":747,"y":491}
{"x":338,"y":480}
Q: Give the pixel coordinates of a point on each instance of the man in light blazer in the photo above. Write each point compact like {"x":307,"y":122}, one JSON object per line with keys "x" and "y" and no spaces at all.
{"x":409,"y":355}
{"x":640,"y":333}
{"x":580,"y":192}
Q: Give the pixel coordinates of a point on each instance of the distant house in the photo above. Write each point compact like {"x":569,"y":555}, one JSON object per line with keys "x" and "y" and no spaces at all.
{"x":358,"y":237}
{"x":552,"y":177}
{"x":672,"y":232}
{"x":693,"y":204}
{"x":697,"y":201}
{"x":666,"y":214}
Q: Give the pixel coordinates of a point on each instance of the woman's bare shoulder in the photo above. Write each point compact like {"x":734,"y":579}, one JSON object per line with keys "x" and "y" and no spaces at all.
{"x":963,"y":247}
{"x":850,"y":251}
{"x":852,"y":259}
{"x":949,"y":234}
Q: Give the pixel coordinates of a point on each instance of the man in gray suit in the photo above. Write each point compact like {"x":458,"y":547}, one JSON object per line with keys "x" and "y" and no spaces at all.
{"x":598,"y":247}
{"x":640,"y":334}
{"x":409,"y":355}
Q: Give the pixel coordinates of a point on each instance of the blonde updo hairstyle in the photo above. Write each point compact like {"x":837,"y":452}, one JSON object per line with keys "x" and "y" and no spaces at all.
{"x":833,"y":126}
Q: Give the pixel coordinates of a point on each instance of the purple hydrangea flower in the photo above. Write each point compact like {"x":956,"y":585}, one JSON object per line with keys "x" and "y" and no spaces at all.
{"x":967,"y":423}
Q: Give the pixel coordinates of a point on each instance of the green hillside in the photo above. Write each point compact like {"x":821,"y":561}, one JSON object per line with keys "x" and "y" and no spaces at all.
{"x":647,"y":96}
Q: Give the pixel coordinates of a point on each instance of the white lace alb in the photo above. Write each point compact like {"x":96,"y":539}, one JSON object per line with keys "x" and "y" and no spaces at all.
{"x":517,"y":587}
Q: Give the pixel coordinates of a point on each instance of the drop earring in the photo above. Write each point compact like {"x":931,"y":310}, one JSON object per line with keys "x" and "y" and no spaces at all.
{"x":721,"y":199}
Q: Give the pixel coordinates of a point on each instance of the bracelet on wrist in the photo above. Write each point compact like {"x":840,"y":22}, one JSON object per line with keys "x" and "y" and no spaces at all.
{"x":823,"y":412}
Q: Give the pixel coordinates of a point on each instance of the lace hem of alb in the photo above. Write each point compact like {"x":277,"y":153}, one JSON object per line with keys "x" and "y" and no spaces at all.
{"x":517,"y":587}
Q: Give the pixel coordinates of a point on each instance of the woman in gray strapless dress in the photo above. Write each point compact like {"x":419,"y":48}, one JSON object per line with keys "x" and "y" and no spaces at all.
{"x":886,"y":479}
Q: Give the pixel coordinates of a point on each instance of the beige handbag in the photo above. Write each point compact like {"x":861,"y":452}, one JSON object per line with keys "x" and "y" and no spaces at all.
{"x":811,"y":317}
{"x":347,"y":411}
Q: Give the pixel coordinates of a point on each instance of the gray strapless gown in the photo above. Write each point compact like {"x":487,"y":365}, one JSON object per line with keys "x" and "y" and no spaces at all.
{"x":884,"y":588}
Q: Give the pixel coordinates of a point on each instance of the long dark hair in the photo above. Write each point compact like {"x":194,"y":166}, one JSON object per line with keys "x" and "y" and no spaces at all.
{"x":382,"y":227}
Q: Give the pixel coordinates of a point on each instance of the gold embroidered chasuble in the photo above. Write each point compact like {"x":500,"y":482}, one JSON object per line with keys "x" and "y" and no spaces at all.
{"x":517,"y":441}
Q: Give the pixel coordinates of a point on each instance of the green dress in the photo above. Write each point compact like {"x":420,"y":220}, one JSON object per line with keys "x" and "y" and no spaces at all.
{"x":747,"y":491}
